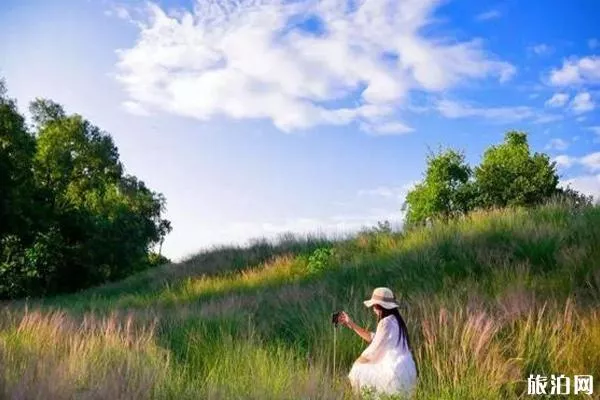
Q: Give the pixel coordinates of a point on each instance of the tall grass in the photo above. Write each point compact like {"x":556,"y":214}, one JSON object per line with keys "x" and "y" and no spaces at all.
{"x":51,"y":356}
{"x":488,"y":300}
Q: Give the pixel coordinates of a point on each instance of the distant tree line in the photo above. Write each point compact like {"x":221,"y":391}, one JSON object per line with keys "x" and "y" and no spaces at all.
{"x":508,"y":175}
{"x":70,"y":217}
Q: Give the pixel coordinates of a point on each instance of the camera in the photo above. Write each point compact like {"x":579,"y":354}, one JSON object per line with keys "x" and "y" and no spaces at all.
{"x":335,"y":318}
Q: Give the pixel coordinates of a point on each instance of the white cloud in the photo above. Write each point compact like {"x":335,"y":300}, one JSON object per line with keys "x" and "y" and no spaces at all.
{"x":595,"y":129}
{"x":135,"y":108}
{"x":382,"y":191}
{"x":582,"y":102}
{"x":119,"y":11}
{"x":391,"y":192}
{"x":541,"y":49}
{"x":585,"y":70}
{"x":487,"y":15}
{"x":387,"y":128}
{"x":591,"y":161}
{"x":546,"y":118}
{"x":586,"y":184}
{"x":250,"y":59}
{"x":564,"y":161}
{"x":557,"y":100}
{"x":123,"y":13}
{"x":453,"y":109}
{"x":557,"y":144}
{"x":593,"y":43}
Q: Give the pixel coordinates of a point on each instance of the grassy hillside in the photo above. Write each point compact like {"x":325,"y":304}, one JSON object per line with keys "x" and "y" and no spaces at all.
{"x":488,"y":300}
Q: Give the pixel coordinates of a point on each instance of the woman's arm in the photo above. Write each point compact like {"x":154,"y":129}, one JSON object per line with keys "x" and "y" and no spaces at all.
{"x":381,"y":341}
{"x":363,"y":333}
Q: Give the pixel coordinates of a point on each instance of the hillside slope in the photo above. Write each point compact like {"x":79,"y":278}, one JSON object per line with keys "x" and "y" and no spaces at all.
{"x":488,"y":300}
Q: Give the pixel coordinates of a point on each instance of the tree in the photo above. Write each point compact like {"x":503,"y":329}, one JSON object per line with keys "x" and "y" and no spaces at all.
{"x":107,"y":219}
{"x":69,"y":216}
{"x":44,"y":111}
{"x":164,"y":228}
{"x":509,"y":175}
{"x":74,"y":159}
{"x":17,"y":147}
{"x":445,"y":191}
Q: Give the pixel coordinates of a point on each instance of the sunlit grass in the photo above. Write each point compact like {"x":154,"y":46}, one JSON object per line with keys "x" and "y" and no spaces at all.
{"x":488,"y":299}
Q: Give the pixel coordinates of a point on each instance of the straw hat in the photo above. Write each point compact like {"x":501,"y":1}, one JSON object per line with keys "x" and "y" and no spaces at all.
{"x":383,"y":297}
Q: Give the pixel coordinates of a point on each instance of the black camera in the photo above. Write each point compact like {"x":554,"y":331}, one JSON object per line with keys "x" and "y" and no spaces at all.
{"x":335,"y":317}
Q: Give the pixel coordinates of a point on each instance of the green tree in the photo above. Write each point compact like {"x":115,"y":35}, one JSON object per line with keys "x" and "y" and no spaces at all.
{"x":108,"y":220}
{"x":70,"y":217}
{"x":445,"y":191}
{"x":17,"y":147}
{"x":75,"y":161}
{"x":509,"y":175}
{"x":44,"y":111}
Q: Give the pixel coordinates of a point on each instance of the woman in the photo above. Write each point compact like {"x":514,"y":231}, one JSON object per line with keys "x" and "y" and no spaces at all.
{"x":387,"y":364}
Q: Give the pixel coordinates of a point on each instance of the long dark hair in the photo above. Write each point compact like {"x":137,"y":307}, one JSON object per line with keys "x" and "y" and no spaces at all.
{"x":403,"y":329}
{"x":403,"y":334}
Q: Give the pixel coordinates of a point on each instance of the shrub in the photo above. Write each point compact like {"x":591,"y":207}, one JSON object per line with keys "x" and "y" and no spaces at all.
{"x":320,"y":260}
{"x":156,"y":260}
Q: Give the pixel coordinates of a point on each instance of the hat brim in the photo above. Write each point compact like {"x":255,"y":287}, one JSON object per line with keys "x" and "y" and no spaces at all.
{"x":385,"y":304}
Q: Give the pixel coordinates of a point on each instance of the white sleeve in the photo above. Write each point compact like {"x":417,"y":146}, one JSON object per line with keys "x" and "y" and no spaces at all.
{"x":381,"y":341}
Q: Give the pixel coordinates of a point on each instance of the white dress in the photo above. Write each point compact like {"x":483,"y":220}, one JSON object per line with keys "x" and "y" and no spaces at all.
{"x":390,"y":368}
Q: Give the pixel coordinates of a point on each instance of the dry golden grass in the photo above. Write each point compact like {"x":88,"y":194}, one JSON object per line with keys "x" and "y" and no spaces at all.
{"x":480,"y":352}
{"x":51,"y":355}
{"x":488,"y":300}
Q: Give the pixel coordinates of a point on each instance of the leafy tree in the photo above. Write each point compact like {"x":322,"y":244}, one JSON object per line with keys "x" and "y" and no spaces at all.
{"x":17,"y":147}
{"x":70,"y":216}
{"x":44,"y":111}
{"x":74,"y":160}
{"x":164,"y":228}
{"x":510,"y":175}
{"x":110,"y":220}
{"x":445,"y":191}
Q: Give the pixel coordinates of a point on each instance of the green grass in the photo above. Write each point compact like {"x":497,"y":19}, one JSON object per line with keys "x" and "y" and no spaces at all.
{"x":488,"y":299}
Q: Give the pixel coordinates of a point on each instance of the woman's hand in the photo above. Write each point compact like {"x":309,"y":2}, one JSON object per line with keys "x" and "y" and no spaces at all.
{"x":345,"y":319}
{"x":362,"y":360}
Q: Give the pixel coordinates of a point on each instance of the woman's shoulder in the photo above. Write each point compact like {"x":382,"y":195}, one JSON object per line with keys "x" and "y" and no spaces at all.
{"x":387,"y":321}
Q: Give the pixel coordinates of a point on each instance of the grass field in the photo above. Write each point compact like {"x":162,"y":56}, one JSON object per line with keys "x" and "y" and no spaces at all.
{"x":488,"y":300}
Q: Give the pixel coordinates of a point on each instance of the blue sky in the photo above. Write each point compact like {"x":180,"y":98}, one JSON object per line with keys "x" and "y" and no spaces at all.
{"x":260,"y":117}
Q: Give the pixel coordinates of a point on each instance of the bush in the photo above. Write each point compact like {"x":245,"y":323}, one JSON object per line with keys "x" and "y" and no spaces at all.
{"x":320,"y":260}
{"x":156,"y":260}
